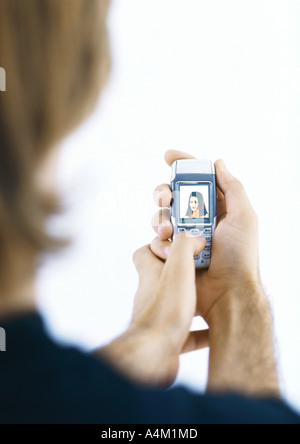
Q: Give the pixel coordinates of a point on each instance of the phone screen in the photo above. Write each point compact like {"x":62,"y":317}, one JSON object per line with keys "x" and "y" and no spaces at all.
{"x":194,"y":203}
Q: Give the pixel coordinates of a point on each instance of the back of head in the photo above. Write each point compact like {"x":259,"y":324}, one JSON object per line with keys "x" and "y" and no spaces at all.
{"x":56,"y":58}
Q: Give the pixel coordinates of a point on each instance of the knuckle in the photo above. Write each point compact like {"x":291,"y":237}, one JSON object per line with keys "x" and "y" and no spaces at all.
{"x":136,"y":257}
{"x":237,"y":185}
{"x":162,"y":195}
{"x":155,"y":219}
{"x":161,"y":218}
{"x":154,"y":243}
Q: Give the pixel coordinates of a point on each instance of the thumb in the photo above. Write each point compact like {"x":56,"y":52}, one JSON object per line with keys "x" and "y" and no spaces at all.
{"x":177,"y":283}
{"x":196,"y":341}
{"x":173,"y":302}
{"x":236,"y":199}
{"x":181,"y":256}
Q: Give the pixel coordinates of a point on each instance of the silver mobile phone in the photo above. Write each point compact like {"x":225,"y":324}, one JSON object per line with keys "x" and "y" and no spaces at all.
{"x":194,"y":203}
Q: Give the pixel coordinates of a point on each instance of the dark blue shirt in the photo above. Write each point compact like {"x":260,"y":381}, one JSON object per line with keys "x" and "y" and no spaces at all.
{"x":42,"y":382}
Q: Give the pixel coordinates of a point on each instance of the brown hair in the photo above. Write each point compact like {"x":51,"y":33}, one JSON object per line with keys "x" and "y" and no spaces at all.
{"x":56,"y":58}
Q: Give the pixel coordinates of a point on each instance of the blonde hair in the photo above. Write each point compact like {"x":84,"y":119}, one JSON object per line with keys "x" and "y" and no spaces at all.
{"x":56,"y":58}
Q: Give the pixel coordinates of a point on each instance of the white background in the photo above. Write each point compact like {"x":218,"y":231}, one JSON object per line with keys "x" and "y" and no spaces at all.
{"x":214,"y":78}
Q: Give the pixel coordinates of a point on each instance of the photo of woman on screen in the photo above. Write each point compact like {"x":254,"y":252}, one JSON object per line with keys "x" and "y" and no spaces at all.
{"x":196,"y":206}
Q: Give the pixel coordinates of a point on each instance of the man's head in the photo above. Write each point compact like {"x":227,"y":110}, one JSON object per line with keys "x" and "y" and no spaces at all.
{"x":56,"y":58}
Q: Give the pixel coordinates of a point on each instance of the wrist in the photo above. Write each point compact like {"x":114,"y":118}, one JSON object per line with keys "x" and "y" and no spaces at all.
{"x":144,"y":356}
{"x":242,"y":354}
{"x":245,"y":296}
{"x":166,"y":326}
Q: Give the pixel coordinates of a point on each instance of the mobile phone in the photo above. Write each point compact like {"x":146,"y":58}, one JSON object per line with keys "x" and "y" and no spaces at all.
{"x":194,"y":202}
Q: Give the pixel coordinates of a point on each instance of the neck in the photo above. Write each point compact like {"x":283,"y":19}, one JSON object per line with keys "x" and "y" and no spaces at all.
{"x":13,"y":304}
{"x":18,"y":295}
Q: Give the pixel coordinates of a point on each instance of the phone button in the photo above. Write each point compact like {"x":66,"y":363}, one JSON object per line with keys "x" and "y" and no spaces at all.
{"x":181,"y":230}
{"x":195,"y":232}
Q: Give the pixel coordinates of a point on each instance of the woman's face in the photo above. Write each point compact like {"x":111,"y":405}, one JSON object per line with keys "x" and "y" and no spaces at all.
{"x":194,"y":204}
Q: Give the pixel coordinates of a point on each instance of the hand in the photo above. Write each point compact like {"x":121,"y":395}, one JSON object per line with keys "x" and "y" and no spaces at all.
{"x":165,"y":304}
{"x":230,"y":296}
{"x":235,"y":247}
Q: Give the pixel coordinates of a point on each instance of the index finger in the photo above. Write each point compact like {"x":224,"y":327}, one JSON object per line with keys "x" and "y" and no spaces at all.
{"x":163,"y":195}
{"x":178,"y":275}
